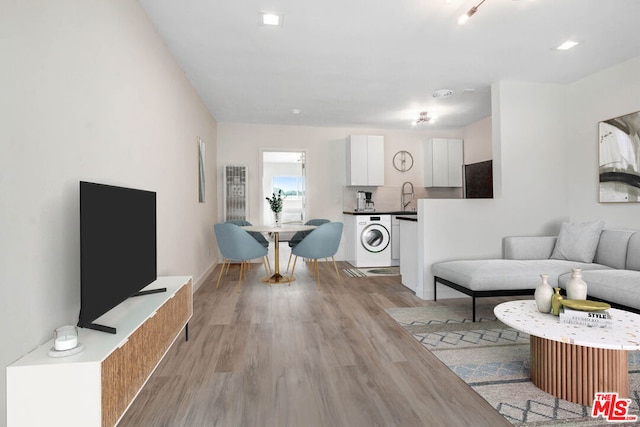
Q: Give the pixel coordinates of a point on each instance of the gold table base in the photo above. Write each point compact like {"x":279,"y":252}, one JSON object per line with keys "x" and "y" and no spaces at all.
{"x":277,"y":278}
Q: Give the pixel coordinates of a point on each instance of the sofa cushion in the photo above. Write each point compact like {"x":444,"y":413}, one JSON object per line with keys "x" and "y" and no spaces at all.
{"x":612,"y":248}
{"x":528,"y":247}
{"x":633,"y":252}
{"x":504,"y":274}
{"x":578,"y":241}
{"x":616,"y":286}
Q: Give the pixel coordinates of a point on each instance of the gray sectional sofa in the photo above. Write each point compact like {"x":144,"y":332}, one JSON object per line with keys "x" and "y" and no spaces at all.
{"x":610,"y":260}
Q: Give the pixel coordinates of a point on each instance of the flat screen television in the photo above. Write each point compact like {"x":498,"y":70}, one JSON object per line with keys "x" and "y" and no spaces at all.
{"x":117,"y":248}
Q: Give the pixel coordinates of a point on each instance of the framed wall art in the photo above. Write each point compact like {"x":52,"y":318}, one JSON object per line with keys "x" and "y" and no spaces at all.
{"x":201,"y":171}
{"x":619,"y":159}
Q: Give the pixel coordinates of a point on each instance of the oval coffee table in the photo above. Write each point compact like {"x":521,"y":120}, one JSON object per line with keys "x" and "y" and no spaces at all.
{"x":574,"y":362}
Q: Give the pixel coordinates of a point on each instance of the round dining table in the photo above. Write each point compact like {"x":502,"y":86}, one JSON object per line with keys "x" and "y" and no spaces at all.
{"x":276,"y":277}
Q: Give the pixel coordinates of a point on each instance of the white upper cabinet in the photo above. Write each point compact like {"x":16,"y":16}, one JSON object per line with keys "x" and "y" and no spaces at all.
{"x":443,"y":161}
{"x":455,"y":154}
{"x":365,"y":160}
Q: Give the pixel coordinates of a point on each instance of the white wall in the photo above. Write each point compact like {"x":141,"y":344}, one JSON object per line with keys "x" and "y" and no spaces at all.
{"x":610,"y":93}
{"x":89,"y":92}
{"x":478,"y":141}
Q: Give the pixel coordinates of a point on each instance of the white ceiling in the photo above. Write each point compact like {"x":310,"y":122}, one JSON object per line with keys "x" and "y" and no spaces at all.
{"x":375,"y":63}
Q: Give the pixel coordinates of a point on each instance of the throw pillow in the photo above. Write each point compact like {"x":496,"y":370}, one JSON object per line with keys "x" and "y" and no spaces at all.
{"x":578,"y":242}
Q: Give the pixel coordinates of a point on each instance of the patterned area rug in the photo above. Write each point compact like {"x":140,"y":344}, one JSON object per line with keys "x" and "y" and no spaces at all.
{"x":494,"y":360}
{"x":372,"y":271}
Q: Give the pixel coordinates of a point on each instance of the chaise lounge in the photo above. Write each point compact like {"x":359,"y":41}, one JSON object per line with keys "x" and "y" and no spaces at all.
{"x":610,"y":260}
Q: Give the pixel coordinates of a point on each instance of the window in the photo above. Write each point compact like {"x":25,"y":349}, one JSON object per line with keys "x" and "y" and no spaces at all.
{"x":292,"y":186}
{"x":285,"y":170}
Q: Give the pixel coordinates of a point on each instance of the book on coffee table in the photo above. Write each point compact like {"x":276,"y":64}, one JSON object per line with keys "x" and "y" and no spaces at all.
{"x":597,"y":319}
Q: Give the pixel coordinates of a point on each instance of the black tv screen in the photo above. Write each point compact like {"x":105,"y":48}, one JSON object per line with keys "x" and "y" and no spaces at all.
{"x":117,"y":247}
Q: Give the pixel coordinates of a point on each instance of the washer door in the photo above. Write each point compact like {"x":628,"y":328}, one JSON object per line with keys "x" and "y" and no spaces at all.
{"x":375,"y":238}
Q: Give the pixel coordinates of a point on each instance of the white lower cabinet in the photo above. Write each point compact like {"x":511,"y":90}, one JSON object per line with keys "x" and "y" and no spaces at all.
{"x":410,"y":265}
{"x":395,"y":240}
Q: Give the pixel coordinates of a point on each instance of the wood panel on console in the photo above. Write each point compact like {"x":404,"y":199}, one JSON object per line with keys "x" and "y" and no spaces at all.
{"x":113,"y":381}
{"x":126,"y":370}
{"x":123,"y":374}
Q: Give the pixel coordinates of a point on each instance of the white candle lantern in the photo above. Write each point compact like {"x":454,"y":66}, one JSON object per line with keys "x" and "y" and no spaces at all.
{"x":65,"y":338}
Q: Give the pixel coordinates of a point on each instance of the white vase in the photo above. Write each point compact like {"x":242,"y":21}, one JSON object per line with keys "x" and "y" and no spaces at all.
{"x":576,"y":287}
{"x":543,"y":295}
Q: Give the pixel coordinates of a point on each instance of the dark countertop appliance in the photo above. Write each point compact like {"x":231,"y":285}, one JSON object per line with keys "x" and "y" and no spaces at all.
{"x":364,"y":203}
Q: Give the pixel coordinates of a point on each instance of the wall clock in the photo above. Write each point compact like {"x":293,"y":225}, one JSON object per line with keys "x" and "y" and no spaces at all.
{"x":403,"y":161}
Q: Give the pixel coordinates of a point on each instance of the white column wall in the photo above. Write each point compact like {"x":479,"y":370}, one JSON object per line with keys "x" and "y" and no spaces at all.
{"x":530,"y":164}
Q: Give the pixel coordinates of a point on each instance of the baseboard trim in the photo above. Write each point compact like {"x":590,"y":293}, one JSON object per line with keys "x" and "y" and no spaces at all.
{"x":204,"y":276}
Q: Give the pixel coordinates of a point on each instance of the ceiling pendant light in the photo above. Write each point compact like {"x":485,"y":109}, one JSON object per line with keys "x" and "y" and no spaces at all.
{"x":464,"y":18}
{"x":424,"y":118}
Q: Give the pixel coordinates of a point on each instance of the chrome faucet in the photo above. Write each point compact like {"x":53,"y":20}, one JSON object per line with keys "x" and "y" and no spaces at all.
{"x":405,"y":193}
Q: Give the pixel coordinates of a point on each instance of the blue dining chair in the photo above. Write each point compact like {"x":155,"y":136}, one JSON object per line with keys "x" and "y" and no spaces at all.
{"x":237,"y":245}
{"x":299,"y":235}
{"x":322,"y":242}
{"x":255,"y":234}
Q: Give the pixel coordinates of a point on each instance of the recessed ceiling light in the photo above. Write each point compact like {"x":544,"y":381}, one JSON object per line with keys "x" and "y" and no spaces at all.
{"x":296,"y":111}
{"x":272,"y":19}
{"x":567,"y":45}
{"x":442,"y":93}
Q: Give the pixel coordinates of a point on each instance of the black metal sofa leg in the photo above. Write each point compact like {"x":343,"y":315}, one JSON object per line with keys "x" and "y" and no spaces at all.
{"x":474,"y":308}
{"x":458,"y":288}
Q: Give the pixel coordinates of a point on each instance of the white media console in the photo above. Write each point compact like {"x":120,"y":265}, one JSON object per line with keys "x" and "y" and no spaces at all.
{"x":96,"y":387}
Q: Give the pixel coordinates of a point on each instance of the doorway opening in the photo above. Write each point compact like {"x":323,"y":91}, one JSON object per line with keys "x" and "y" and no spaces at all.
{"x":286,"y":171}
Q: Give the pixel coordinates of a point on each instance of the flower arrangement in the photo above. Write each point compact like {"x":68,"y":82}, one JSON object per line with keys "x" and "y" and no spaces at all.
{"x":276,"y":201}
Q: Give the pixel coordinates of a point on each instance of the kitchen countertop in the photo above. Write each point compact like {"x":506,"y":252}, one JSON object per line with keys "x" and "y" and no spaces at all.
{"x":380,"y":212}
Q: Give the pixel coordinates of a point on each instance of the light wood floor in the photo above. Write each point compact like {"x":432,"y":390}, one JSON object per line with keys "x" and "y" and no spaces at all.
{"x":296,"y":356}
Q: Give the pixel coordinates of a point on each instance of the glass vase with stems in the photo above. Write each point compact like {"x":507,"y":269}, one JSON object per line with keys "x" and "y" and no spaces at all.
{"x":275,"y":203}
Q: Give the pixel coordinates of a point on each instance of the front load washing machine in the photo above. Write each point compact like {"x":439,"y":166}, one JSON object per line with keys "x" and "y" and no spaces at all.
{"x":373,"y":241}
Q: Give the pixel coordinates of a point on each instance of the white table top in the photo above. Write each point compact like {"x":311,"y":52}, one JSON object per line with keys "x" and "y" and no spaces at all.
{"x":269,"y":228}
{"x":523,"y":315}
